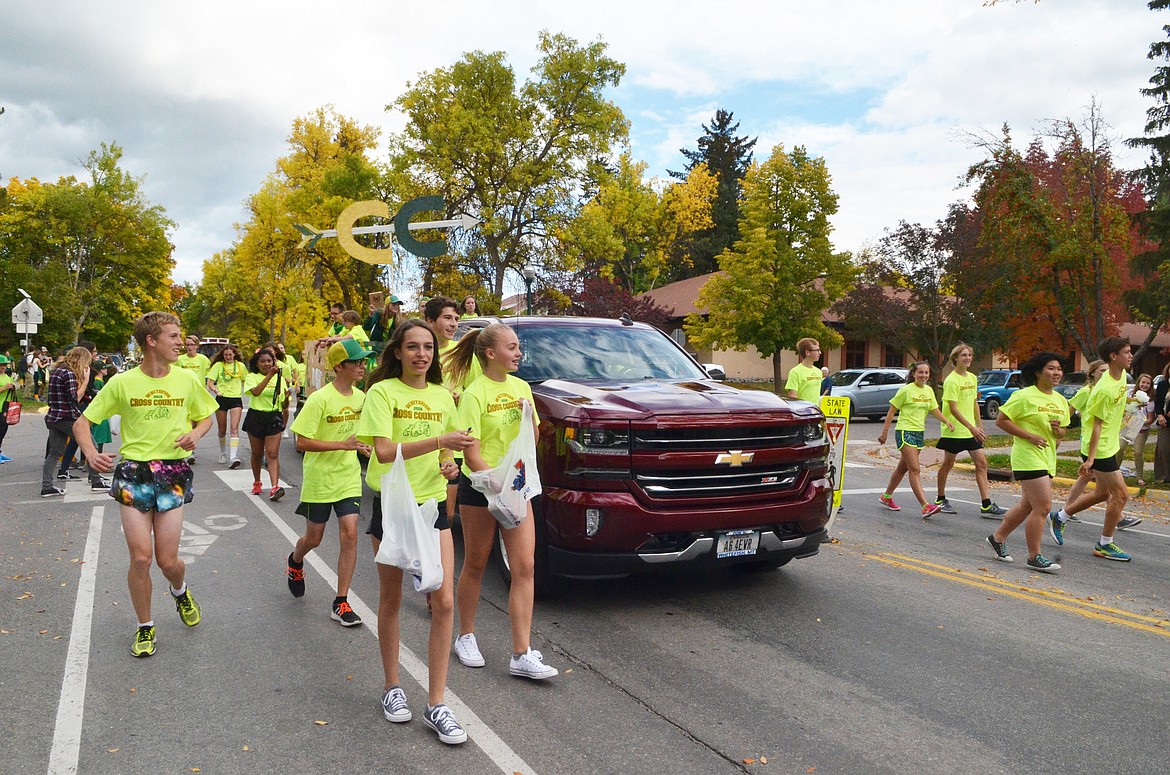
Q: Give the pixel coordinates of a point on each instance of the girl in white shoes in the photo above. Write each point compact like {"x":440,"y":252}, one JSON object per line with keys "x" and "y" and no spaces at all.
{"x":490,"y":409}
{"x":408,"y":408}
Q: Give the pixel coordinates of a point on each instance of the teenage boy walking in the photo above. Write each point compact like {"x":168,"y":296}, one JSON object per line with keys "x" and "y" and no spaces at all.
{"x":159,"y":405}
{"x":1101,"y":423}
{"x":332,"y":474}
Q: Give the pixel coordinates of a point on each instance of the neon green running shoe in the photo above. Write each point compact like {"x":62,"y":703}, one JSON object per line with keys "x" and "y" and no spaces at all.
{"x":143,"y":642}
{"x":188,"y":609}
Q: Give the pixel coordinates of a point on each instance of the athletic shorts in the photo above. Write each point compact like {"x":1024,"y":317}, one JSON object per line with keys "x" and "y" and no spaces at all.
{"x":155,"y":485}
{"x":319,"y":512}
{"x":226,"y":403}
{"x":468,"y":495}
{"x":955,"y":446}
{"x":1023,"y":476}
{"x":1104,"y":465}
{"x":901,"y":438}
{"x":263,"y":424}
{"x":375,"y":528}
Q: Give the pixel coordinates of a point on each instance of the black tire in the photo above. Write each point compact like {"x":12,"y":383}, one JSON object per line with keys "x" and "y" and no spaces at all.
{"x":547,"y":585}
{"x":991,"y":409}
{"x":876,"y":417}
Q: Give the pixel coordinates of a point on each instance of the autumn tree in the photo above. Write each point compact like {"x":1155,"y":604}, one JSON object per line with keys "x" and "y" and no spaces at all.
{"x":782,"y":274}
{"x":515,"y":154}
{"x":95,"y":254}
{"x":601,"y":297}
{"x":1149,"y":299}
{"x":726,"y":156}
{"x":1057,"y":223}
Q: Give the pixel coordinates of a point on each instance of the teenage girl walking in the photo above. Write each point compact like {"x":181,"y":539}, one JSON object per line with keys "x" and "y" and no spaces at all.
{"x":491,"y":408}
{"x":913,"y":402}
{"x":266,"y":390}
{"x":226,"y":380}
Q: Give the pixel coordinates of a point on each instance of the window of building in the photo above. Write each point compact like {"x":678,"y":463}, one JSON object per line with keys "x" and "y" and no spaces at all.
{"x":854,"y":354}
{"x":892,"y":357}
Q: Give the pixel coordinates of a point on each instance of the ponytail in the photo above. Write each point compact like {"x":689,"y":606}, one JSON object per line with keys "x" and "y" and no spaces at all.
{"x":457,"y":361}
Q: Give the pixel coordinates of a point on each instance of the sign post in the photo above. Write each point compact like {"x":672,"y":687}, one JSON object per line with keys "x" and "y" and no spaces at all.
{"x":836,"y":411}
{"x":27,"y":316}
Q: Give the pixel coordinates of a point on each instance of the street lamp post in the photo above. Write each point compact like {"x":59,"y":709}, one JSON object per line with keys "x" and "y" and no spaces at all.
{"x":529,"y":272}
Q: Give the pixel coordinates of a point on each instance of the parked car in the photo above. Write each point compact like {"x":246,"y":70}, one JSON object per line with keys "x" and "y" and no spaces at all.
{"x":648,"y":463}
{"x":869,"y":390}
{"x":995,"y":386}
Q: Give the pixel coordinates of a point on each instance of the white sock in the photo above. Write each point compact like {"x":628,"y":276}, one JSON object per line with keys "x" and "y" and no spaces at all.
{"x":146,"y":624}
{"x":1106,"y":540}
{"x":235,"y":447}
{"x":1063,"y":515}
{"x":179,"y":592}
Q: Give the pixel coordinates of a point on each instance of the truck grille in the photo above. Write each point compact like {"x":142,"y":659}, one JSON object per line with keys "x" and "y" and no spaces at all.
{"x":721,"y":483}
{"x":715,"y":439}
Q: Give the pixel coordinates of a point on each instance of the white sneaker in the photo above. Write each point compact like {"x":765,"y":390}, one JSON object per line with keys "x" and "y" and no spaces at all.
{"x":284,"y":435}
{"x":235,"y":463}
{"x":468,"y":650}
{"x":222,"y":458}
{"x":530,"y":664}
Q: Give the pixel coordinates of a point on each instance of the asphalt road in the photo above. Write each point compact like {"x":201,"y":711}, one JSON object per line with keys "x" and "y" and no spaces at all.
{"x":902,"y":648}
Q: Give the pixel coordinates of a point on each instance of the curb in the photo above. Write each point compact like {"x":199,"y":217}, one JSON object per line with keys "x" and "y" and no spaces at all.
{"x":1158,"y":495}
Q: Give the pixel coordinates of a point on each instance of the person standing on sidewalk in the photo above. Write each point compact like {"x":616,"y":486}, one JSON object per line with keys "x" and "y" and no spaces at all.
{"x":332,"y":478}
{"x":67,"y":392}
{"x":165,"y":411}
{"x":409,"y":412}
{"x":1162,"y":419}
{"x":912,"y":402}
{"x":1100,"y":442}
{"x":1036,"y":416}
{"x":960,"y":405}
{"x":804,"y":380}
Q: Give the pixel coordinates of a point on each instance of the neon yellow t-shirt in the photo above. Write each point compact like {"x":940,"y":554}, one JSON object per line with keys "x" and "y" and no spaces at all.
{"x":1106,"y":403}
{"x":200,"y":364}
{"x":913,"y":403}
{"x":267,"y":400}
{"x":155,"y":411}
{"x":492,"y":411}
{"x":5,"y":381}
{"x":964,"y":391}
{"x":401,"y":413}
{"x":806,"y":381}
{"x":1032,"y":410}
{"x":228,"y":378}
{"x":1080,"y":399}
{"x":327,"y":415}
{"x":359,"y":334}
{"x":474,"y":369}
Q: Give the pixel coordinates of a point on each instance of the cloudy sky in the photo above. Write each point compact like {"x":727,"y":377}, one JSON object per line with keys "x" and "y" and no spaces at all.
{"x":202,"y":95}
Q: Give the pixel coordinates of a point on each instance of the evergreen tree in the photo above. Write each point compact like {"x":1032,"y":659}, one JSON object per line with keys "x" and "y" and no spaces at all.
{"x":727,"y":157}
{"x":1150,"y":301}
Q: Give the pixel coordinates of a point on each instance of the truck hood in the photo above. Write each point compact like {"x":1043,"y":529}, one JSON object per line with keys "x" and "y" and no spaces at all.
{"x":636,"y":400}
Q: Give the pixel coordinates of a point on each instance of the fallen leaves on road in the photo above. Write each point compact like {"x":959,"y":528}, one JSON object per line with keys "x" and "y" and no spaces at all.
{"x":321,"y":723}
{"x":113,"y":750}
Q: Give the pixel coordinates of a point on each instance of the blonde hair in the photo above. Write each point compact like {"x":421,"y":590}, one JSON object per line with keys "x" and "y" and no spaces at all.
{"x":76,"y":360}
{"x":1090,"y":378}
{"x":958,"y":349}
{"x":474,"y":343}
{"x":151,"y":324}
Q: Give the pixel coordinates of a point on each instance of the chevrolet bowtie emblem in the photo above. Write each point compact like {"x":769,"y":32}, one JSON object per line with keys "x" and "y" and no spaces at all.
{"x":734,"y":458}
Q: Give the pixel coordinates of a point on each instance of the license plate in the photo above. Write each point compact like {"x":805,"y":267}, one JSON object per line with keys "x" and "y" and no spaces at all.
{"x":737,"y":543}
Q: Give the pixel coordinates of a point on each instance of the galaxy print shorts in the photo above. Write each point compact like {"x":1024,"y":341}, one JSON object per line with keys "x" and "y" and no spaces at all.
{"x":155,"y":485}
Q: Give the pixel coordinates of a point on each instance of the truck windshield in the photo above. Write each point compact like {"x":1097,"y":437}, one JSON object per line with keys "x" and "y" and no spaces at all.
{"x":992,"y":378}
{"x":601,"y":353}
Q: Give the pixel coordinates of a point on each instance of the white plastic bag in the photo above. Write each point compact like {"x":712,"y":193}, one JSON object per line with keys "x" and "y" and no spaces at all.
{"x":514,"y":481}
{"x":1133,"y":425}
{"x":409,"y":538}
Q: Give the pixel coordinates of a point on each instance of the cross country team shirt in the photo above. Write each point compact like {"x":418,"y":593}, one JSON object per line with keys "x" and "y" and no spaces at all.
{"x":492,"y":411}
{"x":913,"y":404}
{"x":1033,"y":410}
{"x":401,"y":413}
{"x":1107,"y":404}
{"x":327,"y":415}
{"x":806,"y":381}
{"x":267,"y":400}
{"x":155,"y":411}
{"x":964,"y":391}
{"x":1080,"y":399}
{"x":200,"y":364}
{"x":228,"y":378}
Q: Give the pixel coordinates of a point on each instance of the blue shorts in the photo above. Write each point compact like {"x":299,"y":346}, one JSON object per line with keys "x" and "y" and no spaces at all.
{"x":154,"y":485}
{"x":913,"y":438}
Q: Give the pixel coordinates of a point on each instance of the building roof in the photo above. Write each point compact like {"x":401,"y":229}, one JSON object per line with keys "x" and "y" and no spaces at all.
{"x":1136,"y":333}
{"x":683,"y":296}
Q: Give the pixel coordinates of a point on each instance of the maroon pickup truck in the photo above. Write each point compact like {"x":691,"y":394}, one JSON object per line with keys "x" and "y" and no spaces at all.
{"x":647,"y":463}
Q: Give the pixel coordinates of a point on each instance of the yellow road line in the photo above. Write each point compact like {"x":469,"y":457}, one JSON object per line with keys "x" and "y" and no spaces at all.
{"x":1081,"y":608}
{"x":1042,"y":592}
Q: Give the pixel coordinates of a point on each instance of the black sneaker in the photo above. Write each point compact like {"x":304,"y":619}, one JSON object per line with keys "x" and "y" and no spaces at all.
{"x":1041,"y":563}
{"x":49,"y":492}
{"x":99,"y":485}
{"x":296,"y":578}
{"x":1001,"y":552}
{"x":1128,"y":522}
{"x":65,"y":475}
{"x":344,"y":614}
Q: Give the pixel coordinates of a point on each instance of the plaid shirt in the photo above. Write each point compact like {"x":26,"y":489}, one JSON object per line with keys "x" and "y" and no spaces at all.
{"x":63,"y":403}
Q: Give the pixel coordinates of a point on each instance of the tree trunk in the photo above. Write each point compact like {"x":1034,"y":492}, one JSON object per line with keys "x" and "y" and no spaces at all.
{"x":777,"y":377}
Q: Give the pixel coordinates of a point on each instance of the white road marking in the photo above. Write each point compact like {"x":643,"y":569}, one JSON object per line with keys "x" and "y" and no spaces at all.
{"x":489,"y":742}
{"x":882,"y":490}
{"x":71,"y":706}
{"x":856,"y":465}
{"x":241,"y":480}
